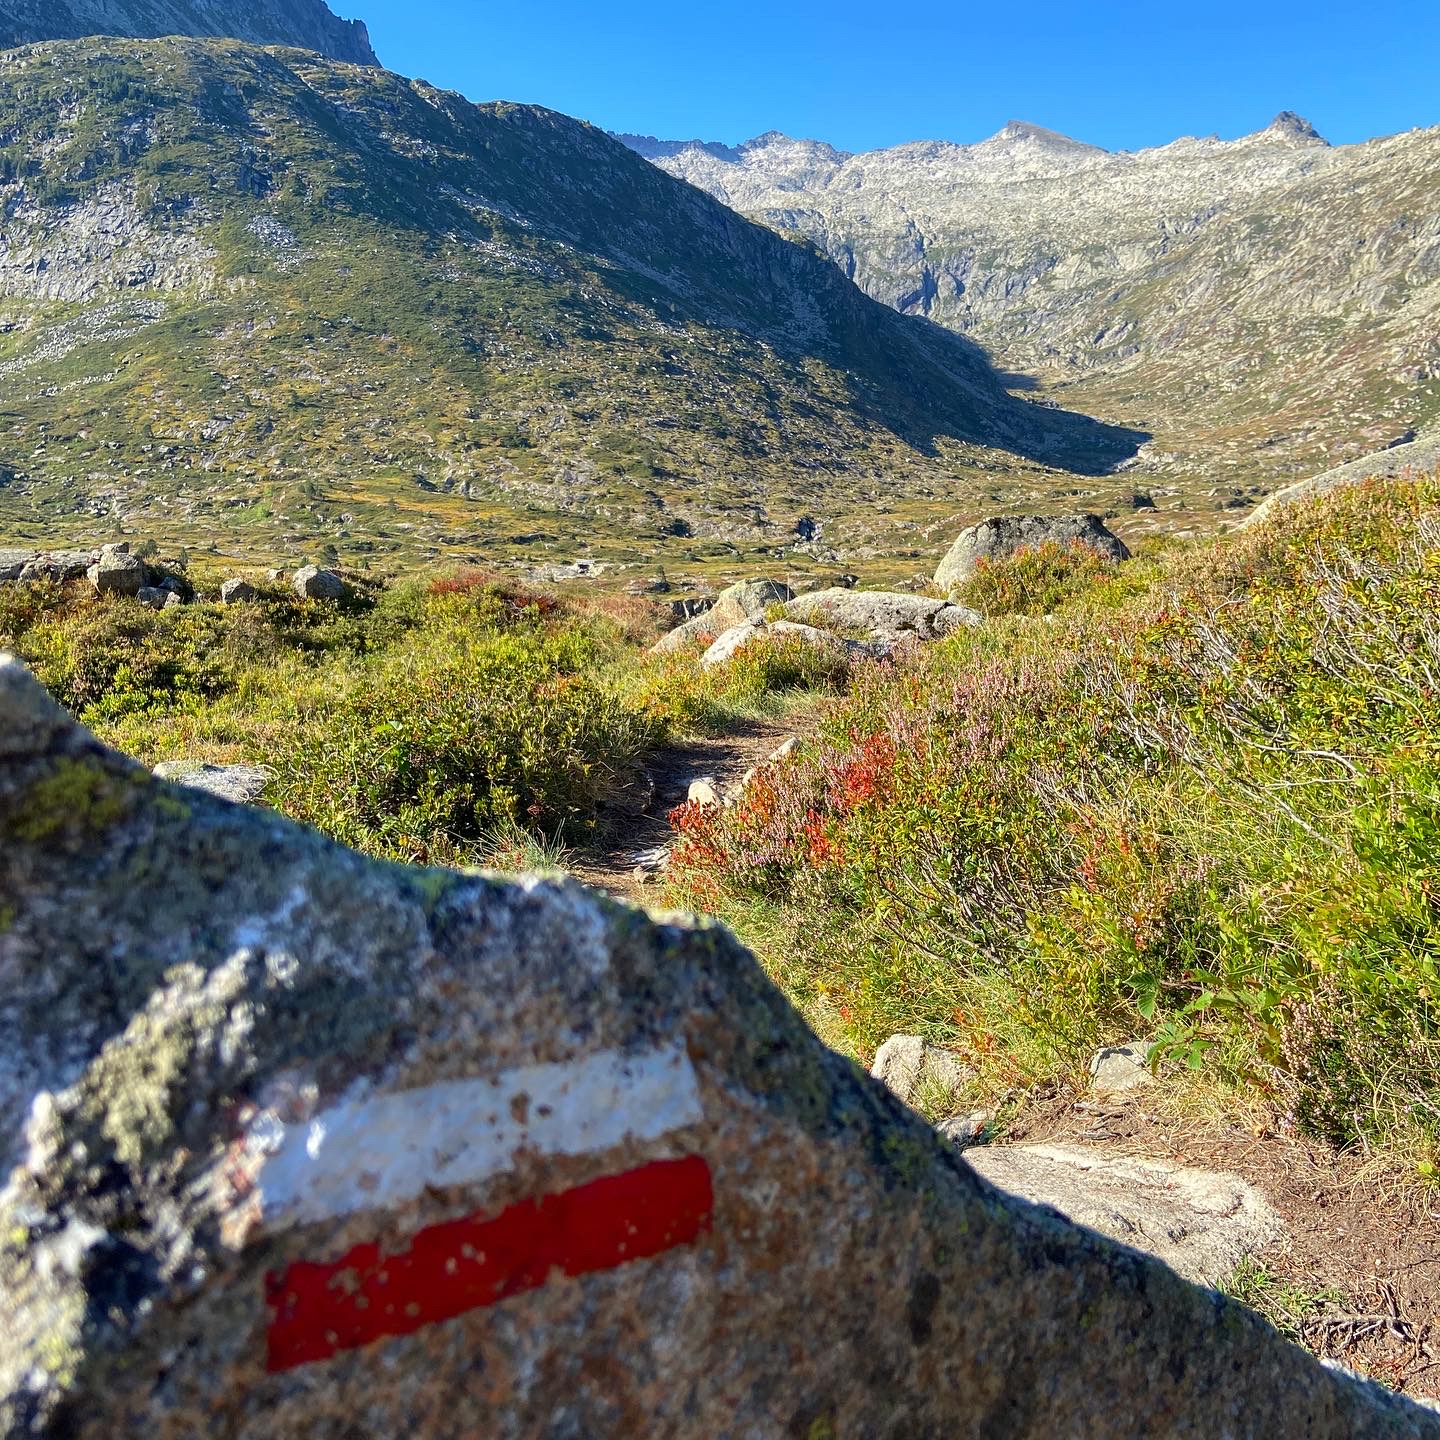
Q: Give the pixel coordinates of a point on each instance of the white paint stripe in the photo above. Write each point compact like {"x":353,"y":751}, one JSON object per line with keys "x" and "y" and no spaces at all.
{"x":381,"y":1151}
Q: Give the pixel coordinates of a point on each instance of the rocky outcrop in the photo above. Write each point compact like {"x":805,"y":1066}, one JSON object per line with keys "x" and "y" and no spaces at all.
{"x":727,"y":646}
{"x":745,"y":600}
{"x":307,"y":24}
{"x":304,"y":1144}
{"x":1005,"y":534}
{"x":117,"y":572}
{"x":886,"y":618}
{"x":1414,"y":457}
{"x":1202,"y":1223}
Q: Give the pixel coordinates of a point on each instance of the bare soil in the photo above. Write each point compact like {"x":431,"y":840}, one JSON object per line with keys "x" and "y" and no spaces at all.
{"x":1355,"y":1235}
{"x":608,"y":863}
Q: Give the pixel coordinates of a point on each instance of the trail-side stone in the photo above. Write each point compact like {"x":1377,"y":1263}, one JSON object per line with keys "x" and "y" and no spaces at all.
{"x":313,"y":583}
{"x":303,"y":1144}
{"x":1201,"y":1223}
{"x":240,"y":784}
{"x":906,"y":1064}
{"x":728,"y":645}
{"x":117,"y":572}
{"x":238,"y":591}
{"x":747,"y":600}
{"x":1005,"y":534}
{"x":704,"y":791}
{"x":884,"y":616}
{"x":1118,"y":1069}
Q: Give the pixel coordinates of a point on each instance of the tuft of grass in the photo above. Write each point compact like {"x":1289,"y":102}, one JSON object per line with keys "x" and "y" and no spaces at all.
{"x":1286,"y":1304}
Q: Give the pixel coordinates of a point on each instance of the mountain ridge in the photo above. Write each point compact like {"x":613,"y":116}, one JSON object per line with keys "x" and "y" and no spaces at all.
{"x":1266,"y":306}
{"x":308,"y":24}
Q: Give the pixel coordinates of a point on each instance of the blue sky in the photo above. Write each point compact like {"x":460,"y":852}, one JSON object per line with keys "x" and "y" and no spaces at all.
{"x":865,"y":75}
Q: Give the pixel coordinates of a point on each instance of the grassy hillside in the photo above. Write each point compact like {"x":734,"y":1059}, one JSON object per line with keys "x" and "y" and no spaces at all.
{"x":254,"y":299}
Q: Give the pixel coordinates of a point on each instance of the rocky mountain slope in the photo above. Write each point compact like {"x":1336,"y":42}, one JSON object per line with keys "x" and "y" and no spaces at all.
{"x":309,"y":24}
{"x":1266,"y":307}
{"x":248,"y":288}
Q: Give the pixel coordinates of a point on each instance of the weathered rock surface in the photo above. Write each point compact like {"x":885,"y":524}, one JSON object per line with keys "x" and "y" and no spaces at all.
{"x":1417,"y":457}
{"x":1118,"y":1069}
{"x":240,"y":784}
{"x":313,"y":583}
{"x":117,"y":572}
{"x":237,"y":591}
{"x":746,"y":600}
{"x":884,"y":616}
{"x":1202,"y":1223}
{"x":309,"y":24}
{"x":308,"y":1145}
{"x":728,"y":645}
{"x":906,"y":1063}
{"x":1005,"y":534}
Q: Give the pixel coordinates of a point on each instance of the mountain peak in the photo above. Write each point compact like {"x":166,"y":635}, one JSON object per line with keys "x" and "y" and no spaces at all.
{"x":1022,"y":131}
{"x":1294,"y":129}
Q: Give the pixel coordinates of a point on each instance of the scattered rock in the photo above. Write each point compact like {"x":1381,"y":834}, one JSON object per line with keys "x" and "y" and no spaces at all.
{"x":704,"y":792}
{"x":885,"y":616}
{"x":612,"y":1181}
{"x":59,"y":565}
{"x":155,"y":597}
{"x":1118,"y":1069}
{"x":313,"y":583}
{"x":649,"y":863}
{"x":1202,"y":1223}
{"x":908,"y":1063}
{"x":240,"y":784}
{"x":1005,"y":534}
{"x":241,"y":592}
{"x":117,"y":572}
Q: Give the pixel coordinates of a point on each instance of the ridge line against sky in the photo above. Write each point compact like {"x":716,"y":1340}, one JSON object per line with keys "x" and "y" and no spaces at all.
{"x":1120,"y":76}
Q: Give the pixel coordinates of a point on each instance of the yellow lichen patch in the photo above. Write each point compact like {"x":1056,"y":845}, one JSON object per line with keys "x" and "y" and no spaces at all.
{"x":73,"y":799}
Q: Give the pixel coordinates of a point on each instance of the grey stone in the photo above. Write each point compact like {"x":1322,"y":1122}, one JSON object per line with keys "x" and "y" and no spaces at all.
{"x":1202,"y":1223}
{"x":967,"y":1130}
{"x":747,"y":600}
{"x":240,"y":784}
{"x":1119,"y":1069}
{"x":728,"y":645}
{"x":237,"y":591}
{"x":58,"y":565}
{"x":254,"y":1085}
{"x":1417,"y":457}
{"x":907,"y":1064}
{"x":117,"y":572}
{"x":13,"y":563}
{"x":313,"y":583}
{"x":1005,"y":534}
{"x":153,"y":597}
{"x":882,"y":615}
{"x":704,"y":791}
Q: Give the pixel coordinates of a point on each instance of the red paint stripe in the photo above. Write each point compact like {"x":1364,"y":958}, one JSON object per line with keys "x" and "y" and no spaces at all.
{"x":318,"y":1310}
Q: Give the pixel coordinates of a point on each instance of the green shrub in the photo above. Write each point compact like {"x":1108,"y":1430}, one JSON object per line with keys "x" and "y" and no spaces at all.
{"x":1034,"y":580}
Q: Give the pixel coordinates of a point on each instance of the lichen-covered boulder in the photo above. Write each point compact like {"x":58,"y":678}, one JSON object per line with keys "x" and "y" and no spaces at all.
{"x":117,"y":572}
{"x":750,"y":632}
{"x":313,"y":583}
{"x":300,"y":1144}
{"x":238,"y":591}
{"x":745,"y":600}
{"x":1005,"y":534}
{"x":884,"y":616}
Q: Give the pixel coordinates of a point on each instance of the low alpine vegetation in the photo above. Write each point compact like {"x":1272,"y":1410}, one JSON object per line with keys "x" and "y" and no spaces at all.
{"x":1207,"y":814}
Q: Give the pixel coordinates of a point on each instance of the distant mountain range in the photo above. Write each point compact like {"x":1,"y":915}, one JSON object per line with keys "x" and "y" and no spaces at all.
{"x":256,"y":293}
{"x":1265,"y":306}
{"x":308,"y":24}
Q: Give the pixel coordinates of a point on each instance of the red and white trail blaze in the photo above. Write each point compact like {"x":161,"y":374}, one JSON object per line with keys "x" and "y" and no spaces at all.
{"x":377,"y":1152}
